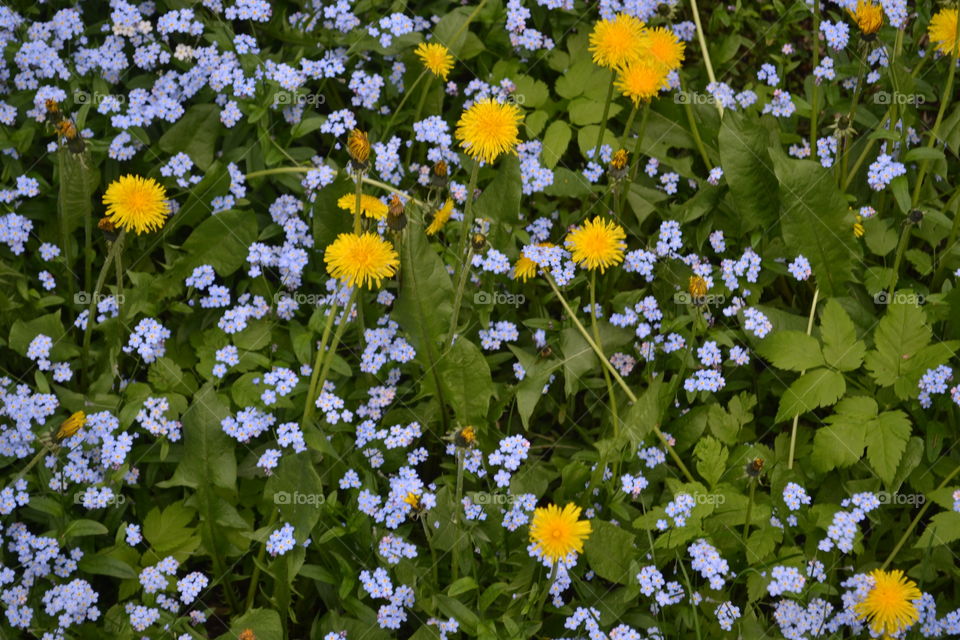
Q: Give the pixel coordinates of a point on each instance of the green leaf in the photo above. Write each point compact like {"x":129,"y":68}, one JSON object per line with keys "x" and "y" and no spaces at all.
{"x":902,"y":332}
{"x":886,"y":439}
{"x":296,"y":490}
{"x":814,"y":222}
{"x":195,"y":134}
{"x":84,"y":527}
{"x":463,"y":585}
{"x":264,"y":623}
{"x":168,"y":532}
{"x":555,"y":142}
{"x":791,"y":350}
{"x":453,"y":608}
{"x":645,"y":413}
{"x":841,"y":442}
{"x":609,"y":550}
{"x":78,"y":180}
{"x":711,"y":459}
{"x":748,"y":170}
{"x":208,"y":453}
{"x":501,"y":199}
{"x":841,"y":349}
{"x":944,"y":528}
{"x":106,"y":565}
{"x":817,"y":388}
{"x":466,"y":380}
{"x":584,"y":111}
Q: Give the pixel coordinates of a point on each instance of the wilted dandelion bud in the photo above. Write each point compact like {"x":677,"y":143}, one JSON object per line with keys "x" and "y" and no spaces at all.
{"x":358,"y":146}
{"x":916,"y":215}
{"x":755,"y":467}
{"x":465,"y":437}
{"x":697,"y":287}
{"x":479,"y":242}
{"x":439,"y":175}
{"x":396,"y":218}
{"x":618,"y":164}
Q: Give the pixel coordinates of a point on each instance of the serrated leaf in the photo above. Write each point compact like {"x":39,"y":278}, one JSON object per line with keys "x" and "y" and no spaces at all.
{"x":944,"y":528}
{"x":792,"y":350}
{"x":841,"y":349}
{"x":902,"y":332}
{"x":711,"y":459}
{"x":886,"y":440}
{"x":812,"y":390}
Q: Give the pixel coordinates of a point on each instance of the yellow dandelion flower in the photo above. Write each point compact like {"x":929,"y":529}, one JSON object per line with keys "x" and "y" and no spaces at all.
{"x":488,"y":129}
{"x":868,"y":16}
{"x":71,"y":425}
{"x":889,"y":606}
{"x":943,"y":32}
{"x":436,"y":58}
{"x":618,"y":42}
{"x":641,"y":81}
{"x":358,"y":146}
{"x":697,"y":286}
{"x":440,"y":217}
{"x":619,"y":159}
{"x":135,"y":203}
{"x":556,"y":532}
{"x":598,"y":243}
{"x":858,"y":229}
{"x":662,"y":46}
{"x":370,"y":206}
{"x":413,"y":500}
{"x":361,"y":260}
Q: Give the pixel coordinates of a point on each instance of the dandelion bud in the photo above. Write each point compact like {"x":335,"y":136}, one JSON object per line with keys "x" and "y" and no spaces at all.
{"x":358,"y":146}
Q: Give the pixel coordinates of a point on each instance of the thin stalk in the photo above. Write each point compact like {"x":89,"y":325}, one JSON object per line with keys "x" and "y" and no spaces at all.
{"x":403,"y":101}
{"x":847,"y":140}
{"x":606,"y":113}
{"x":944,"y":101}
{"x":635,"y":163}
{"x":796,"y":418}
{"x":359,"y":192}
{"x":457,"y":506}
{"x":746,"y":523}
{"x":815,"y":94}
{"x":703,"y":48}
{"x":951,"y":239}
{"x":901,"y":249}
{"x":626,"y":129}
{"x":916,"y":520}
{"x":596,"y":337}
{"x":318,"y":361}
{"x":616,"y":376}
{"x":115,"y":248}
{"x":255,"y":576}
{"x":465,"y":247}
{"x":695,"y":132}
{"x":416,"y":116}
{"x":366,"y":180}
{"x":433,"y":552}
{"x":542,"y":599}
{"x":331,"y":352}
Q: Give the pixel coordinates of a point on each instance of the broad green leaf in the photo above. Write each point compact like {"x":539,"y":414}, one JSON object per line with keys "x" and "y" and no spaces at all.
{"x":584,"y":111}
{"x":167,"y":531}
{"x":501,"y":199}
{"x":107,"y":565}
{"x":208,"y":453}
{"x":841,"y":349}
{"x":296,"y":490}
{"x":748,"y":170}
{"x":902,"y":332}
{"x":83,"y":527}
{"x":886,"y":439}
{"x":644,"y":414}
{"x":841,"y":442}
{"x":814,"y":222}
{"x":943,"y":528}
{"x":78,"y":180}
{"x":711,"y":459}
{"x":530,"y":389}
{"x":609,"y":550}
{"x":195,"y":134}
{"x":264,"y":623}
{"x":466,"y":380}
{"x":814,"y":389}
{"x":555,"y":142}
{"x":791,"y":350}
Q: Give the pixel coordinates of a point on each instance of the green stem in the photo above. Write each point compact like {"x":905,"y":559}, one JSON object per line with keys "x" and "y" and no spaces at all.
{"x":606,"y":113}
{"x":115,"y":248}
{"x":465,"y":247}
{"x":366,"y":180}
{"x":403,"y":101}
{"x":635,"y":162}
{"x":746,"y":523}
{"x":703,"y":48}
{"x":796,"y":418}
{"x":616,"y":376}
{"x":359,"y":193}
{"x":626,"y":129}
{"x":332,"y":351}
{"x":951,"y":239}
{"x":695,"y":131}
{"x":944,"y":101}
{"x":416,"y":117}
{"x":901,"y":249}
{"x":815,"y":93}
{"x":311,"y":400}
{"x":916,"y":520}
{"x":457,"y":507}
{"x":433,"y":552}
{"x":255,"y":576}
{"x":596,"y":337}
{"x":851,"y":117}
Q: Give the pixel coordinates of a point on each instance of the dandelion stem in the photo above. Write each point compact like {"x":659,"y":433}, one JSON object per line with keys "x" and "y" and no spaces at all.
{"x":318,"y":361}
{"x":935,"y":132}
{"x":358,"y":178}
{"x":465,"y":250}
{"x":635,"y":164}
{"x":596,"y":337}
{"x":796,"y":418}
{"x":332,"y":351}
{"x":898,"y":259}
{"x":916,"y":520}
{"x":115,"y":249}
{"x":951,"y":239}
{"x":703,"y":48}
{"x":403,"y":101}
{"x":815,"y":92}
{"x":457,"y":506}
{"x":746,"y":522}
{"x":606,"y":113}
{"x":616,"y":376}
